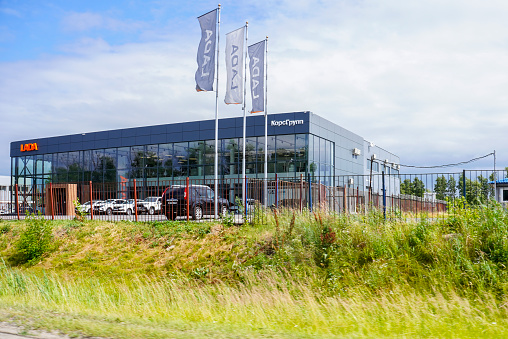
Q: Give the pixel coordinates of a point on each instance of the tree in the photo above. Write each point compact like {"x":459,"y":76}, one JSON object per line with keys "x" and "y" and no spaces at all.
{"x":451,"y":187}
{"x":406,"y":187}
{"x":418,"y":187}
{"x":477,"y":191}
{"x":486,"y":190}
{"x":440,"y":187}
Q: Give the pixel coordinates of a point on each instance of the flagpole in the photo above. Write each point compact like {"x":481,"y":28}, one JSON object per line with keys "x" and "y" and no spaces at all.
{"x":216,"y":167}
{"x":266,"y":124}
{"x":244,"y":174}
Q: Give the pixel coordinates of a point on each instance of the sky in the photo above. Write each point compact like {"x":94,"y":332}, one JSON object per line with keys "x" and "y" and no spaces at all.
{"x":425,"y":80}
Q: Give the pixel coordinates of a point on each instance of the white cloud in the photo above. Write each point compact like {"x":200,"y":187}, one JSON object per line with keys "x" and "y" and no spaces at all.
{"x":87,"y":21}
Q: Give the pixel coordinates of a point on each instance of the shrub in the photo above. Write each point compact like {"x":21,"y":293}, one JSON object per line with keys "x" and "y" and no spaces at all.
{"x":80,"y":211}
{"x":35,"y":240}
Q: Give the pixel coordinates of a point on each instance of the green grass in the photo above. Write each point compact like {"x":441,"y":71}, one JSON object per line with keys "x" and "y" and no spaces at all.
{"x":301,"y":275}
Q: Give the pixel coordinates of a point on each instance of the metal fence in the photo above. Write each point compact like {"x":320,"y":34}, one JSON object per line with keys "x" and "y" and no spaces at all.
{"x":412,"y":194}
{"x":140,"y":200}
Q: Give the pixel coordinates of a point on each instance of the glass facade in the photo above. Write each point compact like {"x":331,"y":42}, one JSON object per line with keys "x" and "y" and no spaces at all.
{"x":289,"y":156}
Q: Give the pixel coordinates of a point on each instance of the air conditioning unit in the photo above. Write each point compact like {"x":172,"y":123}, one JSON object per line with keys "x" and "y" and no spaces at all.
{"x":356,"y":151}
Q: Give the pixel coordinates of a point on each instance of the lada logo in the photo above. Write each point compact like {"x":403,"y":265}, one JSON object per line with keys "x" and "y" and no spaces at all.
{"x":29,"y":147}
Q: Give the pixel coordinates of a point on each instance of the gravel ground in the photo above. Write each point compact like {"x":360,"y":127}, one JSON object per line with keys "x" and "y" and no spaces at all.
{"x":11,"y":331}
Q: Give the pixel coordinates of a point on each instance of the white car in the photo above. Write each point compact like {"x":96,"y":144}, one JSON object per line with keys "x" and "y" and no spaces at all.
{"x":150,"y":205}
{"x":106,"y":207}
{"x":124,"y":207}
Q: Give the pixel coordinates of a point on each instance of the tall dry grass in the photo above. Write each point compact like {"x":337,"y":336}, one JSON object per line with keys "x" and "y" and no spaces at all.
{"x":308,"y":274}
{"x":262,"y":303}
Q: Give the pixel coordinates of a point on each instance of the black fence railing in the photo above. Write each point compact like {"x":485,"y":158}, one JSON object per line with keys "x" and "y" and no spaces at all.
{"x":397,"y":195}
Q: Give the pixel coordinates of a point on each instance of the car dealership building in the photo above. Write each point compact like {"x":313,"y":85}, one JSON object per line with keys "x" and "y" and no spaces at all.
{"x":300,"y":144}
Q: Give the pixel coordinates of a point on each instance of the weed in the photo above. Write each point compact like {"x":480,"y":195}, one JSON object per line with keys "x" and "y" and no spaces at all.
{"x":228,"y":219}
{"x":4,"y":228}
{"x":80,"y":211}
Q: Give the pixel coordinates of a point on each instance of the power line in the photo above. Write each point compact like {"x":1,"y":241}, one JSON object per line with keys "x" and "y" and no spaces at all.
{"x":450,"y":165}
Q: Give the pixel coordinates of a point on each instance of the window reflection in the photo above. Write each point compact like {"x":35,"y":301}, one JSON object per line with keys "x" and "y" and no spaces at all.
{"x":180,"y":160}
{"x":288,"y":155}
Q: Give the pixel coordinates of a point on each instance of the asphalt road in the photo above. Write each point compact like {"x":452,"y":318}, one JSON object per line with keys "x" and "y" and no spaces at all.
{"x":10,"y":331}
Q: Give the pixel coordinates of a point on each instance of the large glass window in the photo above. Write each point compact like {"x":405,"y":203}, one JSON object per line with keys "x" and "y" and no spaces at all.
{"x":181,"y":160}
{"x":60,"y":170}
{"x":210,"y":151}
{"x":110,"y":156}
{"x":123,"y":158}
{"x":75,"y":167}
{"x":97,"y":165}
{"x":250,"y":156}
{"x":151,"y":160}
{"x":196,"y":152}
{"x":231,"y":155}
{"x":301,"y":147}
{"x":271,"y":148}
{"x":137,"y":160}
{"x":166,"y":161}
{"x":287,"y":154}
{"x":260,"y":151}
{"x":97,"y":160}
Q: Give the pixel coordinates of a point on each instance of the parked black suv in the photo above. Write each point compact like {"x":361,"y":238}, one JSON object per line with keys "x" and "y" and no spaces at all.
{"x":201,"y":202}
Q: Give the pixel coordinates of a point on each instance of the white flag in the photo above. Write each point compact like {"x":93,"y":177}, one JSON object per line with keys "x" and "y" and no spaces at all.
{"x":206,"y":52}
{"x":257,"y":76}
{"x":234,"y":66}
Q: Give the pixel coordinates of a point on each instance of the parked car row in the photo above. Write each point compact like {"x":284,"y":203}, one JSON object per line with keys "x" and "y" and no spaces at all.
{"x":150,"y":205}
{"x":196,"y":200}
{"x":173,"y":203}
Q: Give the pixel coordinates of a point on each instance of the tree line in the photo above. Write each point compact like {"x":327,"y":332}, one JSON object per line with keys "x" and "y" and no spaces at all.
{"x":477,"y":190}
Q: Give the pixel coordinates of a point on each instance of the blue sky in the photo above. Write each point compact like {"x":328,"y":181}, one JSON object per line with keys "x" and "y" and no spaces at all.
{"x":425,"y":80}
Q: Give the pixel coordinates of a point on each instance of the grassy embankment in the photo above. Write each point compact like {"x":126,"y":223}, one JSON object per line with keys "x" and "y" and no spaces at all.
{"x":301,"y":275}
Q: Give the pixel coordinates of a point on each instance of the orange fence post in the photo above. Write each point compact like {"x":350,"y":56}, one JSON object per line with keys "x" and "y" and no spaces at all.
{"x":51,"y":201}
{"x":301,"y":192}
{"x":91,"y":201}
{"x":187,"y":192}
{"x":276,"y":191}
{"x":135,"y":201}
{"x":17,"y":201}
